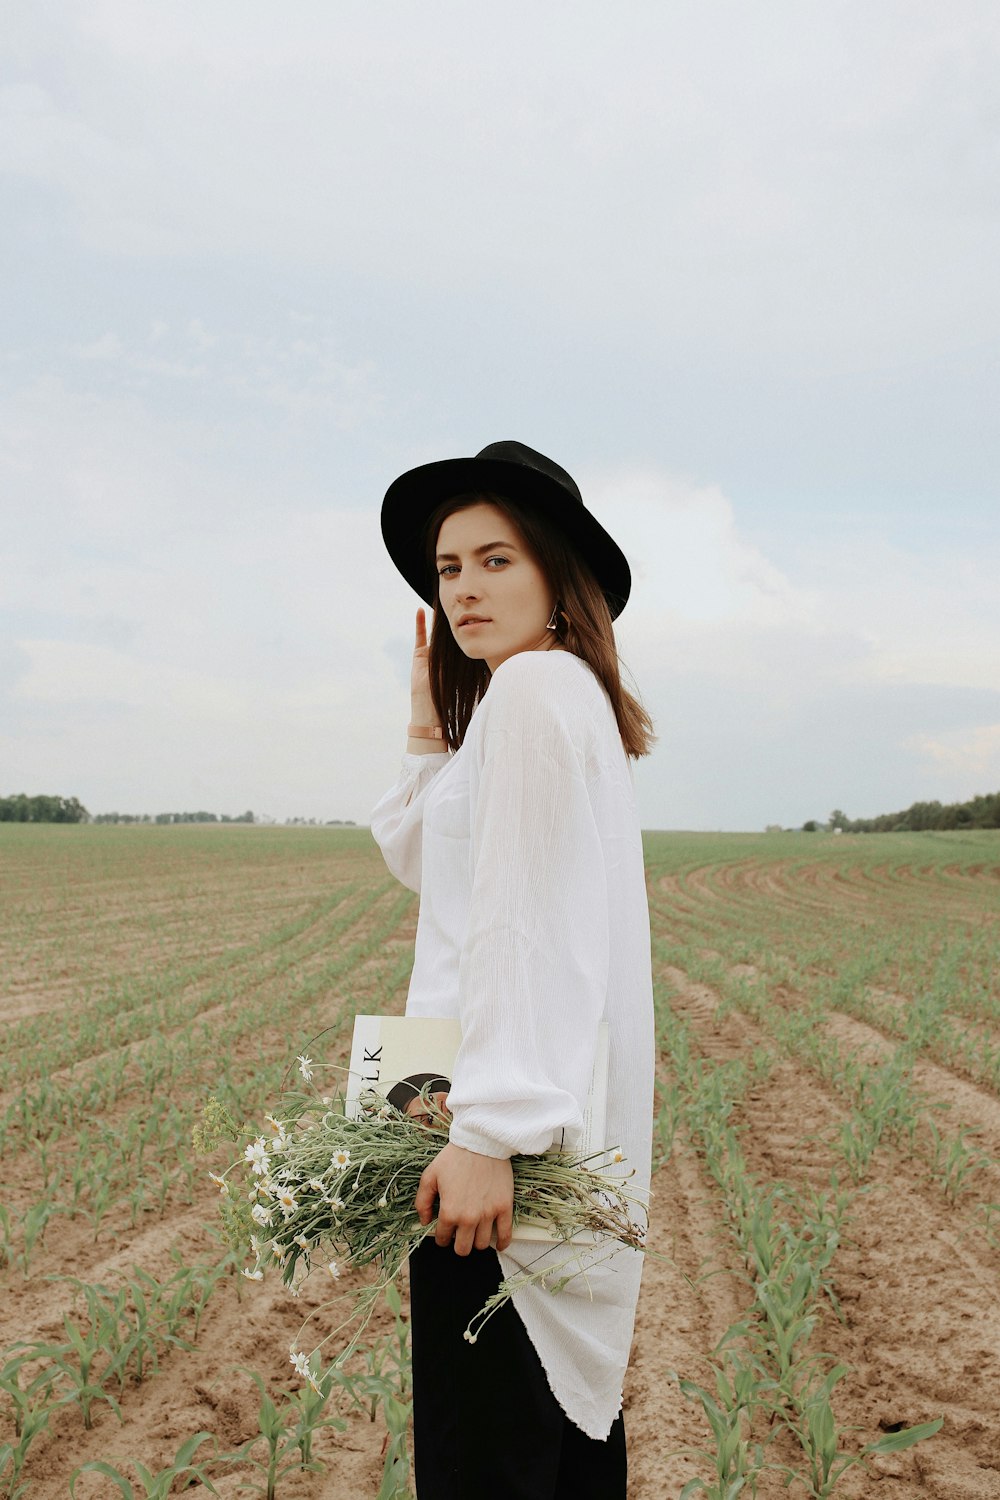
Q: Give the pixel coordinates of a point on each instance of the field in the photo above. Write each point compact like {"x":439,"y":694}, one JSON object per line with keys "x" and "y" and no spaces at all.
{"x":826,"y":1218}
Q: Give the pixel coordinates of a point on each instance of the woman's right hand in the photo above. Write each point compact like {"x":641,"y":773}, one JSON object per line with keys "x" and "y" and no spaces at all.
{"x":422,"y":710}
{"x":475,"y":1196}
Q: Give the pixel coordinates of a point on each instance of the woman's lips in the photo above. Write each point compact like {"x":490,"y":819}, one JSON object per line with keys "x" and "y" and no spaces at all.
{"x":471,"y":624}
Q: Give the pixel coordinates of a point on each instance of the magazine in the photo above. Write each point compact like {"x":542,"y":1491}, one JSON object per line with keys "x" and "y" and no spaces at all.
{"x":397,"y":1056}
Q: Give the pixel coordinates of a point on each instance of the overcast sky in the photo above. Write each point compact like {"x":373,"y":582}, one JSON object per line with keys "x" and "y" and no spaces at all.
{"x":732,"y":265}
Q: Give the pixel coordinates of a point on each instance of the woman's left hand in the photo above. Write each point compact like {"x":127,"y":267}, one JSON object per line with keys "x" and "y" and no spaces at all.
{"x":474,"y":1192}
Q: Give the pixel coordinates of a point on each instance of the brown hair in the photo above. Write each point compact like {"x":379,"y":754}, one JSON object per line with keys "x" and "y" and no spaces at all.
{"x":584,"y":627}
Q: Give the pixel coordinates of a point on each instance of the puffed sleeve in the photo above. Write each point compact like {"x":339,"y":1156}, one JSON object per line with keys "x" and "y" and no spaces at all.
{"x":397,"y":818}
{"x":534,"y":968}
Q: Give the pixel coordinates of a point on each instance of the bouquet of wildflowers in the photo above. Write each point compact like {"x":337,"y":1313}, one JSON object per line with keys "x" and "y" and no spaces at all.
{"x":319,"y":1190}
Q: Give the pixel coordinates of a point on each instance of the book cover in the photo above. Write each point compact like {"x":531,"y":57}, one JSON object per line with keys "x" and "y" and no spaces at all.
{"x":396,"y":1056}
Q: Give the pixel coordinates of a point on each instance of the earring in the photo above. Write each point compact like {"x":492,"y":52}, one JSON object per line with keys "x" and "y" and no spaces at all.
{"x":552,"y":625}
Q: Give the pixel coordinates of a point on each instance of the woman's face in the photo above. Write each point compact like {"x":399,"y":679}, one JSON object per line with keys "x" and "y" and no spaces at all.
{"x":422,"y":1113}
{"x":486,"y":573}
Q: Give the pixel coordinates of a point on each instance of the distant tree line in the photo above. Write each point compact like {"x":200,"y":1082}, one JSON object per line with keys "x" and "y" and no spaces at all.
{"x":978,"y":812}
{"x":23,"y":809}
{"x":42,"y":809}
{"x":170,"y":817}
{"x":319,"y":823}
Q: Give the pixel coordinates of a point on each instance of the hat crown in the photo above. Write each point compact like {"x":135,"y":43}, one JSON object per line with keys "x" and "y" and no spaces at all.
{"x":511,"y":452}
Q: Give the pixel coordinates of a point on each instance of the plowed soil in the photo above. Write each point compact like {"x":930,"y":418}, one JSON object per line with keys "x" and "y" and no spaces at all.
{"x":210,"y":956}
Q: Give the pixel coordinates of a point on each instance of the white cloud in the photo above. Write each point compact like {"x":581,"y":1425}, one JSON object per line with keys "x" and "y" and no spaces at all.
{"x":68,"y":672}
{"x":449,"y":148}
{"x":971,"y":757}
{"x":188,"y":635}
{"x":107,"y":347}
{"x":689,"y":561}
{"x":109,"y":466}
{"x":927,"y":612}
{"x":247,"y":653}
{"x":128,"y":472}
{"x":765,"y":251}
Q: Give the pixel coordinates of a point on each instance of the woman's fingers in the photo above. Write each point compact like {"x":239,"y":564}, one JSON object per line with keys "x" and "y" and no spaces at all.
{"x":426,"y":1193}
{"x":505,"y":1228}
{"x":484,"y":1234}
{"x":422,"y":708}
{"x":475,"y":1193}
{"x":465,"y":1238}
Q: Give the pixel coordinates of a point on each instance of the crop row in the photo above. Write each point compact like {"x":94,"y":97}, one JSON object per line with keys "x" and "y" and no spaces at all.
{"x":119,"y":1340}
{"x":191,"y":1051}
{"x":886,"y":1104}
{"x":135,"y":1007}
{"x":97,"y":1164}
{"x":925,"y":1024}
{"x":960,"y":971}
{"x":770,"y":1382}
{"x":839,"y":914}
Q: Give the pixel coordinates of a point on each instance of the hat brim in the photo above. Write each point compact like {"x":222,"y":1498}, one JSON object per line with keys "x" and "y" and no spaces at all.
{"x":412,"y":498}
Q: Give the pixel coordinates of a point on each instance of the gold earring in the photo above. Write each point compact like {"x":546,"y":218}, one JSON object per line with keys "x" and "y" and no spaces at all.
{"x":552,"y":625}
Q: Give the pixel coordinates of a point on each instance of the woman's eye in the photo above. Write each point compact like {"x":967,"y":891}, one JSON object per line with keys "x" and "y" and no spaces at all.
{"x":451,"y":567}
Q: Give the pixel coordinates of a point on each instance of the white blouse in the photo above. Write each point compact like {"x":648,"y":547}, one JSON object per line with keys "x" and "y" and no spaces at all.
{"x":533,"y":927}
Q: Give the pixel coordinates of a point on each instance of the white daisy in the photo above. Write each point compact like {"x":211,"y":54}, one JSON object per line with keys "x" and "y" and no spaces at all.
{"x":305,"y":1067}
{"x":287,"y":1201}
{"x":316,"y":1184}
{"x":221,"y":1183}
{"x":301,"y":1364}
{"x":334,"y":1270}
{"x":260,"y":1215}
{"x":340,"y":1159}
{"x":255,"y":1275}
{"x":257,"y":1156}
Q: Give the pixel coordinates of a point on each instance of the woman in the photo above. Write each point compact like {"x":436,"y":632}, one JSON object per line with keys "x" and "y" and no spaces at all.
{"x":515,"y":818}
{"x":422,"y":1096}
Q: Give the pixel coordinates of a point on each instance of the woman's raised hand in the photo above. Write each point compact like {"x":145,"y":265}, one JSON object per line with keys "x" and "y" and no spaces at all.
{"x":422,"y":710}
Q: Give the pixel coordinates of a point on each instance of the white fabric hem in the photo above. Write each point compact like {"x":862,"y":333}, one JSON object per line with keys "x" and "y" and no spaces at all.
{"x":595,"y":1418}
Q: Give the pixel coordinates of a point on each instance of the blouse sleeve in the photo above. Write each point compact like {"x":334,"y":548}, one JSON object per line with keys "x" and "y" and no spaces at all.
{"x":397,"y":819}
{"x":534,"y":968}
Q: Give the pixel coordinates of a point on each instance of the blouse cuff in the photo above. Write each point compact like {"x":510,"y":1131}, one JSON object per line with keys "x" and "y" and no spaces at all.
{"x":474,"y":1140}
{"x":415,"y":763}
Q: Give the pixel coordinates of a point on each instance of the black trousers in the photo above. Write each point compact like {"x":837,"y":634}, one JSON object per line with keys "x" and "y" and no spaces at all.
{"x":486,"y":1426}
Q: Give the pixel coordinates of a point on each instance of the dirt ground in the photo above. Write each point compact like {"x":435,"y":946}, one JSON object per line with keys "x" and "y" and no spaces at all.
{"x":918,"y":1280}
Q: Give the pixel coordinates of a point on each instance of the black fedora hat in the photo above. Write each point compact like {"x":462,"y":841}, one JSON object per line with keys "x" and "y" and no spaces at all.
{"x":512,"y":471}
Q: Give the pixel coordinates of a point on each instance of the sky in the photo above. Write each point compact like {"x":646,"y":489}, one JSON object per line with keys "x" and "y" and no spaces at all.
{"x":733,"y":266}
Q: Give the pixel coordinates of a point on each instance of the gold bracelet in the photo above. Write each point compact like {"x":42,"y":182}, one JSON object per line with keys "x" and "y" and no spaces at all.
{"x":425,"y":731}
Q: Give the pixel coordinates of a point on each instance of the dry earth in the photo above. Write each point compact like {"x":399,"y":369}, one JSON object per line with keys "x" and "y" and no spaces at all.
{"x":237,"y":947}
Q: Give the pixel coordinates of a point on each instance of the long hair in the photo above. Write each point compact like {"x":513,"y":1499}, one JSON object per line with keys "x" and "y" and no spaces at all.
{"x":584,"y":627}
